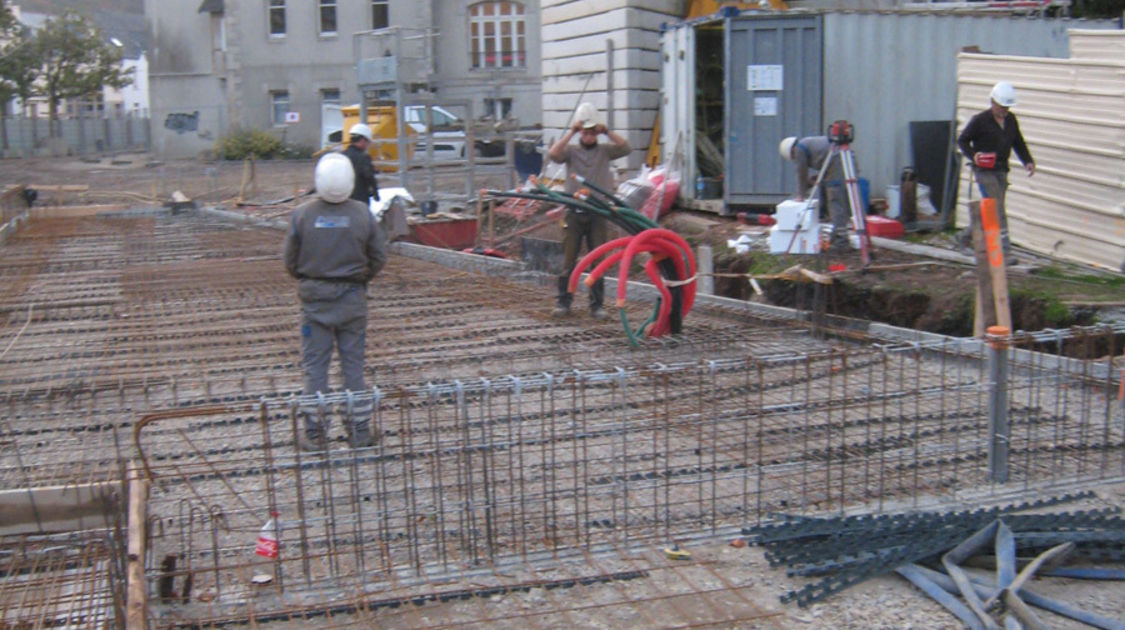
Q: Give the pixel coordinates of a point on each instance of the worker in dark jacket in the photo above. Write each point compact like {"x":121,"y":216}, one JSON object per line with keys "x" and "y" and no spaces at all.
{"x":366,"y":188}
{"x":334,"y":247}
{"x":987,"y":141}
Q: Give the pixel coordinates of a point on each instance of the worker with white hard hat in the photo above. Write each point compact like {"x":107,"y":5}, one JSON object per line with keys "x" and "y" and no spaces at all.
{"x":987,"y":141}
{"x":590,"y":159}
{"x":334,"y":247}
{"x":359,"y":140}
{"x":808,"y":155}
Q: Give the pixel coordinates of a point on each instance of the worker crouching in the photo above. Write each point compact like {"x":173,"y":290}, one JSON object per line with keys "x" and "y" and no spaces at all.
{"x":334,"y":247}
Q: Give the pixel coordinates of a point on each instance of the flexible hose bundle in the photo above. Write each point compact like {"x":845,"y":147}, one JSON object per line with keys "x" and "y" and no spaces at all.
{"x":664,"y":246}
{"x":671,"y":268}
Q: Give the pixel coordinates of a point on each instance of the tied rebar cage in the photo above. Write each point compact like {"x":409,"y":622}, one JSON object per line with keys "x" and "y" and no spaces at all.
{"x":74,"y":580}
{"x":513,"y":470}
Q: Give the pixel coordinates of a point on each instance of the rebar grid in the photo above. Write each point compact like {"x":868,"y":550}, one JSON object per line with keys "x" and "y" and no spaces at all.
{"x":74,"y":581}
{"x":104,"y":319}
{"x":511,"y":444}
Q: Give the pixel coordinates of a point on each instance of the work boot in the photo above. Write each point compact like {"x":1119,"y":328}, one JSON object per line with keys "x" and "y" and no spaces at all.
{"x":359,"y":425}
{"x":598,"y":312}
{"x":312,"y":434}
{"x":360,"y":436}
{"x":560,"y":310}
{"x":311,"y":442}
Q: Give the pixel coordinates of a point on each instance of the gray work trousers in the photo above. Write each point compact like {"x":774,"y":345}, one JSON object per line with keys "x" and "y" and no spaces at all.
{"x":994,"y":185}
{"x":334,"y":315}
{"x":835,"y":198}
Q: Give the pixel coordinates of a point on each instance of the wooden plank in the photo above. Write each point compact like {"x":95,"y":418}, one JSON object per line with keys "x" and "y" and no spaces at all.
{"x":56,"y":188}
{"x":985,"y":307}
{"x":59,"y":508}
{"x":70,"y":212}
{"x":136,"y":594}
{"x":997,"y":268}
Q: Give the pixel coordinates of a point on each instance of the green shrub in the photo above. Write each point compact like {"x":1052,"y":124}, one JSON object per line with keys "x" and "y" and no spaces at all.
{"x":295,"y":152}
{"x":239,"y":144}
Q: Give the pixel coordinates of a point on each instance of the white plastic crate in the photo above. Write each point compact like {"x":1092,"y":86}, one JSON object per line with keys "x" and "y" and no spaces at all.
{"x":806,"y":241}
{"x":791,"y":215}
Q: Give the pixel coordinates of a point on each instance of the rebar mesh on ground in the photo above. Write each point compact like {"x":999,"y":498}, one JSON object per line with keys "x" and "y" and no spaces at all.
{"x":72,"y":580}
{"x":508,"y":439}
{"x":524,"y":468}
{"x":105,"y":318}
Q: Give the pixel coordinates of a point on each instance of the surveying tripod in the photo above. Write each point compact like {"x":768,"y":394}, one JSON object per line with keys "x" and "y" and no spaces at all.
{"x":840,"y":134}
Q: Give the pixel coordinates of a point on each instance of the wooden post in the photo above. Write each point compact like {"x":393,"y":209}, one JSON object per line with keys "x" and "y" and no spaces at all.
{"x":984,"y":305}
{"x":480,"y":214}
{"x":990,"y":225}
{"x":491,"y":225}
{"x":136,"y":595}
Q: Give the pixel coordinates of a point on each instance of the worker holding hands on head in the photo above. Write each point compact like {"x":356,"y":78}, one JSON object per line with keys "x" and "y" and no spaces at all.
{"x":987,"y":141}
{"x":589,"y":159}
{"x":808,"y":155}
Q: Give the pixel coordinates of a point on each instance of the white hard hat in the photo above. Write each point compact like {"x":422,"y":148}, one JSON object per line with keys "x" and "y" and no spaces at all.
{"x":587,"y":114}
{"x":362,"y":130}
{"x":1004,"y":94}
{"x":785,"y":148}
{"x":335,"y":177}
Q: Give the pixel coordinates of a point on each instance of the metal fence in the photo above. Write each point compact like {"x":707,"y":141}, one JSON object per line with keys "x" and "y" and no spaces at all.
{"x":28,"y":136}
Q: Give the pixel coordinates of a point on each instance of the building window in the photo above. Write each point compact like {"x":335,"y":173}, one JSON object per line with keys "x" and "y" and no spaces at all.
{"x":330,"y":96}
{"x":327,"y":17}
{"x":279,"y":103}
{"x":498,"y":108}
{"x":497,"y":33}
{"x":277,"y":18}
{"x":380,"y":13}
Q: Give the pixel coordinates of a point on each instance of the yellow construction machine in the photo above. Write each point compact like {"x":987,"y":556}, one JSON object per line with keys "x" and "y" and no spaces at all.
{"x":384,"y":129}
{"x":700,"y":8}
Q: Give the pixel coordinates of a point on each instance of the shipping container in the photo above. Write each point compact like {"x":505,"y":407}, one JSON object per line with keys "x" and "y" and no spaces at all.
{"x":733,"y":87}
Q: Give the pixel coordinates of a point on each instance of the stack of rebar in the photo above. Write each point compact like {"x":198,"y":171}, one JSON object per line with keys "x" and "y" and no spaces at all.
{"x":843,"y":551}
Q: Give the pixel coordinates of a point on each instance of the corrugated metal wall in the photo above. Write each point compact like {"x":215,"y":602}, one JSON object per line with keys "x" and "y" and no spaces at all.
{"x":883,"y":70}
{"x":788,"y":51}
{"x":1072,"y":114}
{"x":677,"y":123}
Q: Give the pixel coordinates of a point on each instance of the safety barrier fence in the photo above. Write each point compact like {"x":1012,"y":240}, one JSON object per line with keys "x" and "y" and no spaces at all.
{"x":512,"y":469}
{"x":83,"y":135}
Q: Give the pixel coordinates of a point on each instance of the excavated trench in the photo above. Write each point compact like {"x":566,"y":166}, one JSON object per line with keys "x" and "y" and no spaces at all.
{"x":936,"y":298}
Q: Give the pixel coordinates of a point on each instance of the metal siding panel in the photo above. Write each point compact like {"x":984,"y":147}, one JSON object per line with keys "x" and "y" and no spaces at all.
{"x":678,"y":105}
{"x":1072,"y":114}
{"x":755,"y":174}
{"x":1090,"y":45}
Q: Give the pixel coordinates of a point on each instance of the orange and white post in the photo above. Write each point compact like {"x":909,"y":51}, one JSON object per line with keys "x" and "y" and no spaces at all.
{"x":994,"y":250}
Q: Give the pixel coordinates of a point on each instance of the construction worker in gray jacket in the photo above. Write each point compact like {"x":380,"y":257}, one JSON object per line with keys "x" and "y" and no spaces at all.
{"x":808,"y":155}
{"x":590,"y":159}
{"x":334,"y":247}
